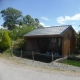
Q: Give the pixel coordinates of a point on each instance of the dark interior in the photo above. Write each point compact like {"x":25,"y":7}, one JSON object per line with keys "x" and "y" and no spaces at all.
{"x":45,"y":44}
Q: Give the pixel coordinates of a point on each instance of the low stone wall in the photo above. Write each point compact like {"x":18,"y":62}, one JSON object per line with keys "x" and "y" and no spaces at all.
{"x":61,"y":59}
{"x":68,"y":57}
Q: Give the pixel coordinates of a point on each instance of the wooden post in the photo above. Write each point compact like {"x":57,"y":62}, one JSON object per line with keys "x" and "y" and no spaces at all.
{"x":52,"y":57}
{"x":69,"y":51}
{"x":11,"y":50}
{"x":33,"y":56}
{"x":21,"y":53}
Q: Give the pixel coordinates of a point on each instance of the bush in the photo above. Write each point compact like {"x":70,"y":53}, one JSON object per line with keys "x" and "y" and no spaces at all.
{"x":19,"y":44}
{"x":0,"y":44}
{"x":0,"y":48}
{"x":6,"y":42}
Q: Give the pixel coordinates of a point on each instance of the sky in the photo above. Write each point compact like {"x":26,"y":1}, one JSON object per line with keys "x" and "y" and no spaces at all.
{"x":49,"y":12}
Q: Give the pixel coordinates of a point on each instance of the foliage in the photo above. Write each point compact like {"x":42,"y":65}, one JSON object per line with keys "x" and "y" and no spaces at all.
{"x":37,"y":23}
{"x":0,"y":44}
{"x":17,"y":26}
{"x":18,"y":32}
{"x":19,"y":44}
{"x":7,"y":51}
{"x":29,"y":21}
{"x":1,"y":32}
{"x":6,"y":42}
{"x":72,"y":62}
{"x":11,"y":17}
{"x":77,"y":42}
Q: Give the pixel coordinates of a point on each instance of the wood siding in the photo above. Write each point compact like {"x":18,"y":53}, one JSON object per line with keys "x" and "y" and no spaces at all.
{"x":31,"y":45}
{"x":68,"y":42}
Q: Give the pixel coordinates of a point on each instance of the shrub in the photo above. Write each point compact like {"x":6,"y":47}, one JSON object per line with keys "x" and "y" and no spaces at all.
{"x":0,"y":44}
{"x":0,"y":47}
{"x":19,"y":44}
{"x":6,"y":42}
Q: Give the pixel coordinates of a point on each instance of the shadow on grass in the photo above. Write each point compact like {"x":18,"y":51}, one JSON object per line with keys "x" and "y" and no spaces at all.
{"x":74,"y":58}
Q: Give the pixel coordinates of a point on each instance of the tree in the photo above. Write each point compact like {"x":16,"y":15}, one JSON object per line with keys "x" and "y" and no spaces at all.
{"x":77,"y":42}
{"x":11,"y":17}
{"x":37,"y":23}
{"x":18,"y":32}
{"x":28,"y":20}
{"x":36,"y":20}
{"x":6,"y":42}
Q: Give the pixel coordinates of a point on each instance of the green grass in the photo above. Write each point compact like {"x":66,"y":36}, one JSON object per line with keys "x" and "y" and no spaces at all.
{"x":72,"y":62}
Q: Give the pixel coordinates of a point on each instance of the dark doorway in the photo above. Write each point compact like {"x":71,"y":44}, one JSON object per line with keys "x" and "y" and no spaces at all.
{"x":43,"y":44}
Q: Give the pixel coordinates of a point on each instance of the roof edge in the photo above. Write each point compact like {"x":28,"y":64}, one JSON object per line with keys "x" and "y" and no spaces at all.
{"x":70,"y":26}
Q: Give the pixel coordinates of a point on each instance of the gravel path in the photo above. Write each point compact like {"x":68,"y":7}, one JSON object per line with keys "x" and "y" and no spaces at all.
{"x":52,"y":65}
{"x":10,"y":71}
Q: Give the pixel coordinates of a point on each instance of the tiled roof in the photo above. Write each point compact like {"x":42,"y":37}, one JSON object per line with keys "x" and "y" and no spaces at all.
{"x":54,"y":30}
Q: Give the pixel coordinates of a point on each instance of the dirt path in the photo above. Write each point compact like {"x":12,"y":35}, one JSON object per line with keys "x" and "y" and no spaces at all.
{"x":11,"y":71}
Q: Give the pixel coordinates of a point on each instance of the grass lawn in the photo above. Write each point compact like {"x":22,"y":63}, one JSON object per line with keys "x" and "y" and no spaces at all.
{"x":72,"y":62}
